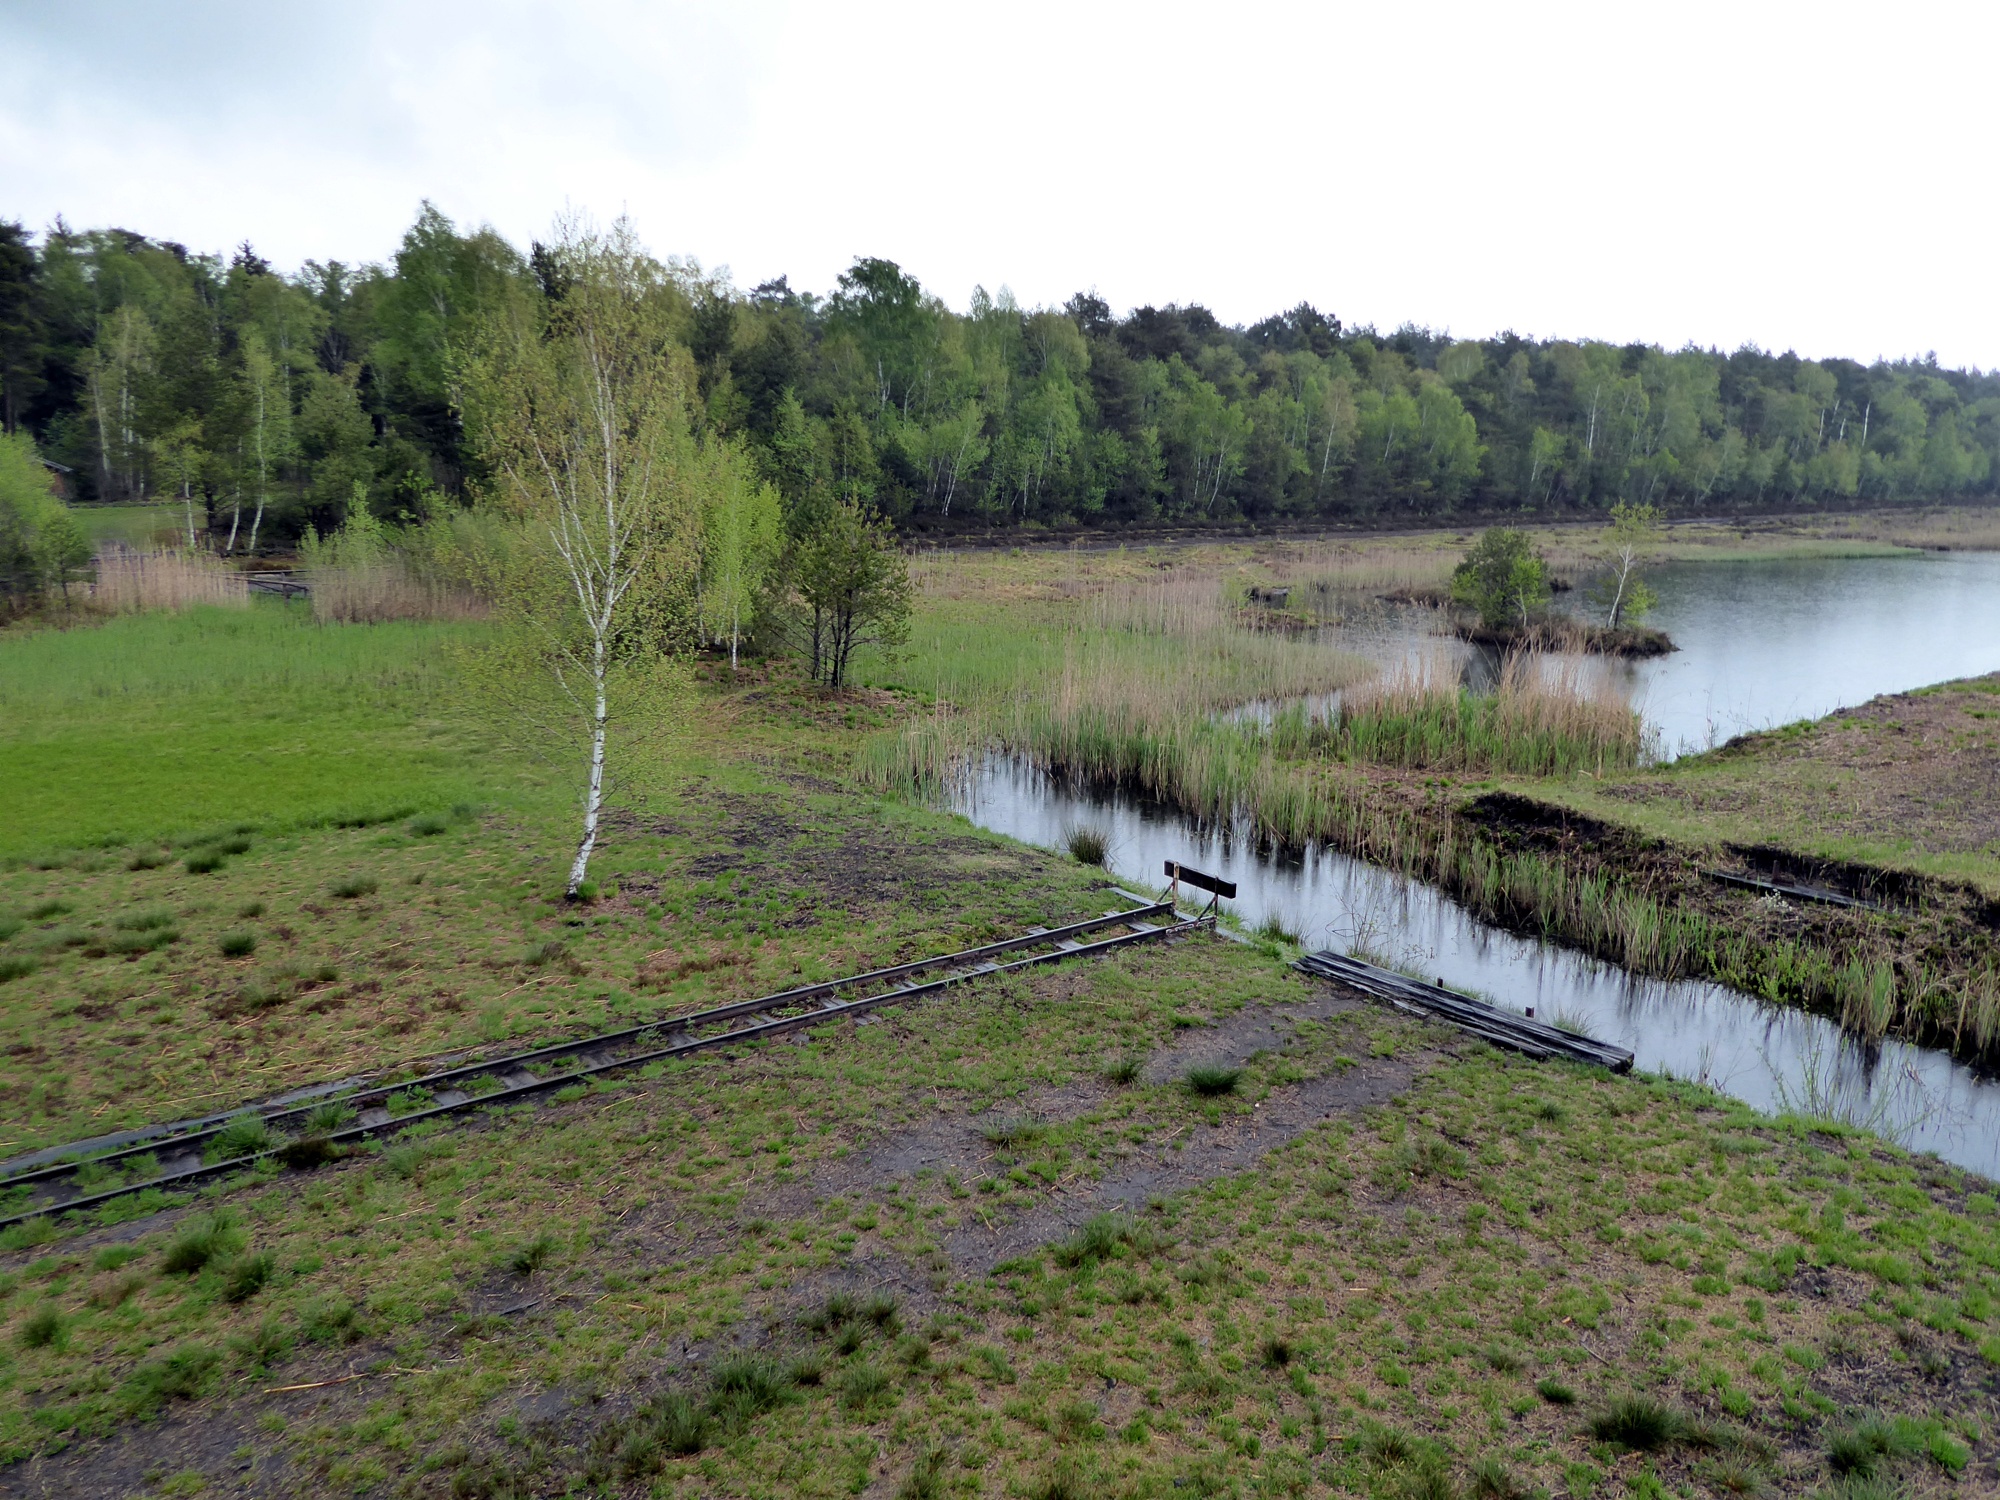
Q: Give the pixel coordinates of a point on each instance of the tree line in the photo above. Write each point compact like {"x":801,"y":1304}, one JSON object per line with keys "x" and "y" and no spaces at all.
{"x":263,"y":404}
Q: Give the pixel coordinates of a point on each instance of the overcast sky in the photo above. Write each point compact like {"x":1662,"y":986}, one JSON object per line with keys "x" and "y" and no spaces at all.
{"x":1810,"y":176}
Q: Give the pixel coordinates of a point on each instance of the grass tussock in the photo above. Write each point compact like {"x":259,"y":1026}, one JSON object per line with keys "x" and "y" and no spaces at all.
{"x":1212,"y":1080}
{"x":1087,"y":846}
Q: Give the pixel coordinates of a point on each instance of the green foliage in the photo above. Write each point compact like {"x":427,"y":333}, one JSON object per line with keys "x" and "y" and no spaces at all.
{"x":183,"y":1374}
{"x":1638,"y":1422}
{"x":43,"y":1328}
{"x":34,"y":527}
{"x":1502,"y":577}
{"x":843,"y":584}
{"x":1087,"y":846}
{"x":245,"y":1135}
{"x":1211,"y":1079}
{"x":201,"y":1241}
{"x":163,"y":373}
{"x":531,"y":1257}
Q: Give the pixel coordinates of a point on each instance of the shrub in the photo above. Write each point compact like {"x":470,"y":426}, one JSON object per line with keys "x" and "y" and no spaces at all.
{"x":1087,"y":846}
{"x":1555,"y":1392}
{"x":181,"y":1374}
{"x":204,"y":862}
{"x":1211,"y":1079}
{"x":531,"y":1257}
{"x":881,"y":1310}
{"x":428,"y":825}
{"x":143,"y":920}
{"x":1123,"y":1070}
{"x":199,"y":1243}
{"x":148,"y":859}
{"x":1503,"y":577}
{"x":248,"y":1276}
{"x":1638,"y":1422}
{"x":349,"y":887}
{"x":16,"y":966}
{"x":238,"y":944}
{"x":1275,"y":1352}
{"x":250,"y":910}
{"x":236,"y":845}
{"x":42,"y":1329}
{"x":43,"y":910}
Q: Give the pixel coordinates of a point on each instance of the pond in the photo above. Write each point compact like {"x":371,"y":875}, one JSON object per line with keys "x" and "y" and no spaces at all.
{"x":1768,"y":642}
{"x":1762,"y":643}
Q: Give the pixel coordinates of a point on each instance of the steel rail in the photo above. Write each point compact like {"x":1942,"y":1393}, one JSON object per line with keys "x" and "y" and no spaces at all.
{"x":1056,"y":938}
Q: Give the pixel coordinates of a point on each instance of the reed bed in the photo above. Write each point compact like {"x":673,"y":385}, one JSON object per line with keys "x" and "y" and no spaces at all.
{"x":1543,"y":718}
{"x":382,"y":589}
{"x":1125,"y":685}
{"x":132,"y":582}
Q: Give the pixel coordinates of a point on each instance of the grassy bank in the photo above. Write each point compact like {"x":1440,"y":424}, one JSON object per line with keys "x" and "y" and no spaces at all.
{"x":1002,"y":1244}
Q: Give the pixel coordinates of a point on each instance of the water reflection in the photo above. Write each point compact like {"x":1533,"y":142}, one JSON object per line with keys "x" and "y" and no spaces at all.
{"x":1770,"y":1057}
{"x":1761,"y":643}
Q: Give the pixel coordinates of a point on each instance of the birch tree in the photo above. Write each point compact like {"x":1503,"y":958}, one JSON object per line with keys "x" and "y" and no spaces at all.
{"x":580,"y":408}
{"x":267,"y":434}
{"x":742,"y":533}
{"x":1624,"y":595}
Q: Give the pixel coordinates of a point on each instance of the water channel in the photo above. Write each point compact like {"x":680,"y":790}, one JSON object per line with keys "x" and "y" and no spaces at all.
{"x":1761,"y":644}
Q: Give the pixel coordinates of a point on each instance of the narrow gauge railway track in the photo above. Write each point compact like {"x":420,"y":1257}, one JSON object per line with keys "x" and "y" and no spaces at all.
{"x":178,"y":1154}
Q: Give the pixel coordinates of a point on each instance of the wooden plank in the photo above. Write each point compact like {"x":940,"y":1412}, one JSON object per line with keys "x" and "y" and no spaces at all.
{"x":1189,"y":875}
{"x":1532,"y":1038}
{"x":1816,"y":893}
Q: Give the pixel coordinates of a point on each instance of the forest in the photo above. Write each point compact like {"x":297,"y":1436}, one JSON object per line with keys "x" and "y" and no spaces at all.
{"x":265,"y":404}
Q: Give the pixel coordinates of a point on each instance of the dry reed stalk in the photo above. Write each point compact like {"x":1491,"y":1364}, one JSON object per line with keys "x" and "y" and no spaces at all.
{"x":367,"y":593}
{"x":129,"y":582}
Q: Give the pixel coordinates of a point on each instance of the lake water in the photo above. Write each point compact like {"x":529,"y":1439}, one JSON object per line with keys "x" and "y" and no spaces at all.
{"x":1765,"y":643}
{"x":1762,"y":644}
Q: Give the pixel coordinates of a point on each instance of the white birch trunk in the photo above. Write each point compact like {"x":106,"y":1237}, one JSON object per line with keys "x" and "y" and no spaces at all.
{"x":593,"y":799}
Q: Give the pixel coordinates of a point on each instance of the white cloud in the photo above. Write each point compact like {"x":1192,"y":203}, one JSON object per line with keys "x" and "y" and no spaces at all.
{"x":1809,"y":176}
